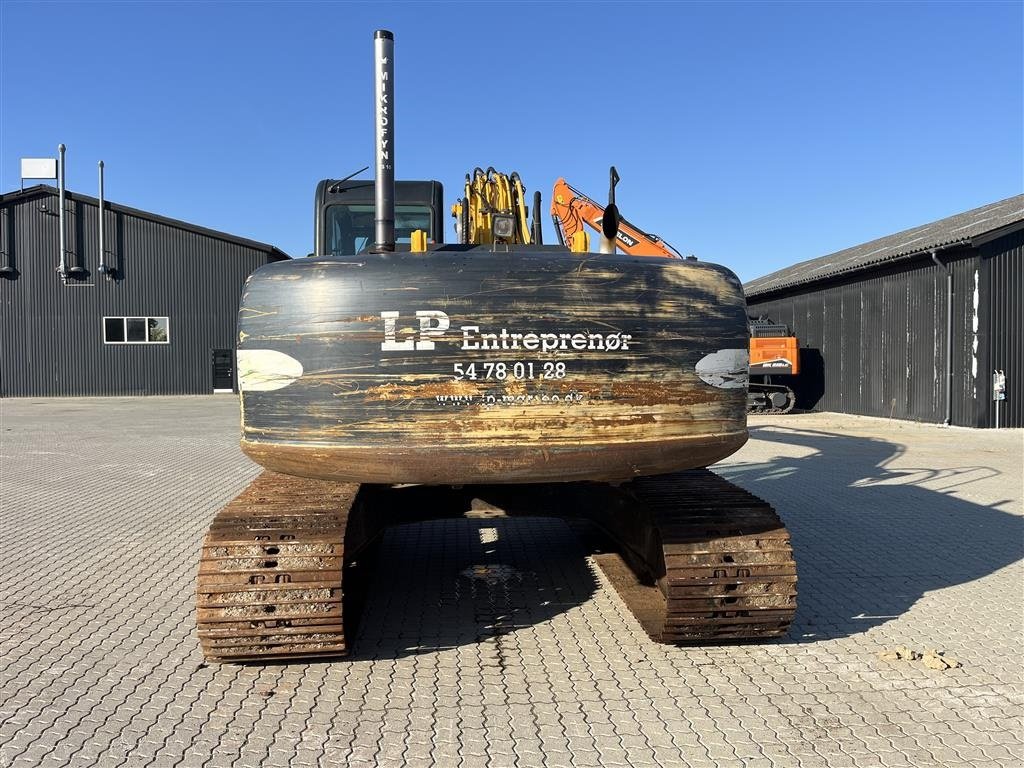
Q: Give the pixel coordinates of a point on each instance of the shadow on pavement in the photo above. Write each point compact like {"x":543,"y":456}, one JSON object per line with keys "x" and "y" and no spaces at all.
{"x":465,"y":565}
{"x":869,"y":538}
{"x":869,"y":541}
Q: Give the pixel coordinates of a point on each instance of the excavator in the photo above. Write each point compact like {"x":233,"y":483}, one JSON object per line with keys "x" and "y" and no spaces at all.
{"x":773,"y":351}
{"x":393,"y":378}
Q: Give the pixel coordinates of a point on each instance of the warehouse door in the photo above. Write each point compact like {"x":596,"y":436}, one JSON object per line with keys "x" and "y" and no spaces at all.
{"x":223,"y":361}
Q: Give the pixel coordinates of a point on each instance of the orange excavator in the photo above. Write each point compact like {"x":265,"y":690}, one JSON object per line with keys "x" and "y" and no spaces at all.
{"x":571,"y":209}
{"x":773,"y":351}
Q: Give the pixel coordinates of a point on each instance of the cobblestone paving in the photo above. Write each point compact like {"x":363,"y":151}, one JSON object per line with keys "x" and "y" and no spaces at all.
{"x":496,"y":642}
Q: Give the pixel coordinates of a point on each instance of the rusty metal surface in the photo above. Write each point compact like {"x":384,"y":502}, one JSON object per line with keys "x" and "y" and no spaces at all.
{"x":270,"y":573}
{"x":508,"y":464}
{"x":709,"y":561}
{"x":520,"y":366}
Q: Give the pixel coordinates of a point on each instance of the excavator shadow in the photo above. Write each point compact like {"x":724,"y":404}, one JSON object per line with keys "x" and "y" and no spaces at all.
{"x":872,"y":535}
{"x":471,"y":564}
{"x":459,"y":566}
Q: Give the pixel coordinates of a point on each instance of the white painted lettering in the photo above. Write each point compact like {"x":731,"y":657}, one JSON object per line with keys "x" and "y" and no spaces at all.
{"x":390,"y":343}
{"x":468,"y":342}
{"x":427,"y":329}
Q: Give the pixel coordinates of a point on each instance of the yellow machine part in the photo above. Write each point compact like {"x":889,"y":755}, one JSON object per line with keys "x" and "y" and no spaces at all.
{"x":580,"y":242}
{"x":418,"y":243}
{"x":487,"y":193}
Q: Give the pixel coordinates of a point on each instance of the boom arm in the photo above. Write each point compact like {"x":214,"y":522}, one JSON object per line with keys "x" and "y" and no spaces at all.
{"x":571,"y":209}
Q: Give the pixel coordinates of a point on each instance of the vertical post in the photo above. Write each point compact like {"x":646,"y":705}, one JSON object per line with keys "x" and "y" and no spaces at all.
{"x":949,"y":344}
{"x":949,"y":335}
{"x":62,"y":268}
{"x":103,"y":263}
{"x":384,"y":187}
{"x":610,"y":218}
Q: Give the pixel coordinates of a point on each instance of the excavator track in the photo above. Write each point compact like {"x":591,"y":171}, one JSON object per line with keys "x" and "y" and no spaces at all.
{"x":761,"y":393}
{"x":271,"y":570}
{"x":707,"y":561}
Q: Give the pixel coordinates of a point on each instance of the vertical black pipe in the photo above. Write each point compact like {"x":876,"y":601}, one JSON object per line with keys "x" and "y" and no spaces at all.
{"x":62,"y":267}
{"x":384,"y":91}
{"x":610,"y":218}
{"x":537,"y":233}
{"x":103,"y":268}
{"x":949,"y":336}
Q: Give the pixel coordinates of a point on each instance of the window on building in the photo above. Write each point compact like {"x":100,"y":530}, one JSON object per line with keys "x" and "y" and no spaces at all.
{"x":156,"y":329}
{"x":135,"y":330}
{"x":113,"y":330}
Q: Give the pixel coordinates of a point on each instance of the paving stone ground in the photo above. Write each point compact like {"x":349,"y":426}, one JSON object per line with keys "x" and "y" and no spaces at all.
{"x":496,"y":642}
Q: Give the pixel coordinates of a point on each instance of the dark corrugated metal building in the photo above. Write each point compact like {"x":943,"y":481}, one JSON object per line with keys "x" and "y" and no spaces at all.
{"x":911,"y":325}
{"x":161,"y":322}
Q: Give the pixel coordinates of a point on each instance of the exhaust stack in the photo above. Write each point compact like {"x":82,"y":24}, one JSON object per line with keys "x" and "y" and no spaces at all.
{"x":384,"y":129}
{"x":103,"y":268}
{"x":62,"y":267}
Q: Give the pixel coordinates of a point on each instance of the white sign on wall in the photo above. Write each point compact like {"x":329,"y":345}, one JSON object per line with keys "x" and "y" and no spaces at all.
{"x":38,"y":168}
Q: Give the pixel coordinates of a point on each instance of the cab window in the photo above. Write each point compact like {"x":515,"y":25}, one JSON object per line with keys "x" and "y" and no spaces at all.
{"x":350,"y":227}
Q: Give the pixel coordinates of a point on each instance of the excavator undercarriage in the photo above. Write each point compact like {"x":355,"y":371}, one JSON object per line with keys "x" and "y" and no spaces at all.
{"x":768,"y":398}
{"x":695,"y":558}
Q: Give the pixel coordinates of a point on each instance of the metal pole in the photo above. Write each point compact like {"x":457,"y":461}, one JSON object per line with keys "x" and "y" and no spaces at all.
{"x":384,"y":130}
{"x":949,"y":336}
{"x":949,"y":344}
{"x":63,"y":237}
{"x":103,"y":264}
{"x":610,"y":217}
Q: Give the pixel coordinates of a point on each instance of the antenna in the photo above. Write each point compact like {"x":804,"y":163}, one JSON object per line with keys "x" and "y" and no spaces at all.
{"x":334,"y":186}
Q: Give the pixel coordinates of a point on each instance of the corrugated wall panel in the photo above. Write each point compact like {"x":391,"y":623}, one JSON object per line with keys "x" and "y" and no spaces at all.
{"x":51,"y":335}
{"x":926,"y":310}
{"x":1003,"y":320}
{"x":811,"y":383}
{"x":872,"y":367}
{"x":832,"y":352}
{"x":896,"y":350}
{"x":880,"y":341}
{"x":966,"y":342}
{"x":850,"y":371}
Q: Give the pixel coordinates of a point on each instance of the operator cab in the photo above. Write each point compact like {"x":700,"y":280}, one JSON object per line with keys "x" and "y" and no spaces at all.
{"x":344,"y":214}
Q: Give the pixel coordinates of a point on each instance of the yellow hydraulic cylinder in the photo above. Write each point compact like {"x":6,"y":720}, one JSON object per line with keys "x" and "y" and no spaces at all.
{"x":580,"y":242}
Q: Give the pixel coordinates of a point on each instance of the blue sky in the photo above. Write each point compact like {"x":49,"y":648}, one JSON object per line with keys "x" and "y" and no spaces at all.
{"x":752,"y":135}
